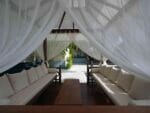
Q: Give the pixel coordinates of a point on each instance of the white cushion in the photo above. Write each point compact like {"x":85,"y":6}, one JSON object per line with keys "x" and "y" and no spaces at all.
{"x":52,"y":70}
{"x":95,"y":70}
{"x":117,"y":95}
{"x":44,"y":68}
{"x":106,"y":71}
{"x":19,"y":80}
{"x":114,"y":74}
{"x":125,"y":80}
{"x":39,"y":71}
{"x":140,"y":89}
{"x":24,"y":96}
{"x":43,"y":72}
{"x":32,"y":75}
{"x":5,"y":87}
{"x":4,"y":101}
{"x":101,"y":69}
{"x":100,"y":77}
{"x":139,"y":103}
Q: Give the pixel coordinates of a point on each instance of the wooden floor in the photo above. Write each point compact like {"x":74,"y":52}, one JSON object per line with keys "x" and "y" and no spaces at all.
{"x":91,"y":95}
{"x":70,"y":93}
{"x":74,"y":109}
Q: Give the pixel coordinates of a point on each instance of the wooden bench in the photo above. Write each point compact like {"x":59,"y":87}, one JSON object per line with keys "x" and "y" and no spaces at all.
{"x":69,"y":93}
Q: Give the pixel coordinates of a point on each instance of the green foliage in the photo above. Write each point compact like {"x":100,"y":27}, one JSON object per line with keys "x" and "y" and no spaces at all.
{"x":72,"y":48}
{"x":70,"y":61}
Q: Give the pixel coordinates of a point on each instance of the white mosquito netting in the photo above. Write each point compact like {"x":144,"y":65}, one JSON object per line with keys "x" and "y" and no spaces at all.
{"x":82,"y":43}
{"x":119,"y":29}
{"x":56,"y":43}
{"x":40,"y":51}
{"x":23,"y":26}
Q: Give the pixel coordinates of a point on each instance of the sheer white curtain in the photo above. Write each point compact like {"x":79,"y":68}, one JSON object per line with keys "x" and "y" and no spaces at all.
{"x":119,"y":29}
{"x":81,"y":42}
{"x":56,"y":43}
{"x":40,"y":51}
{"x":23,"y":26}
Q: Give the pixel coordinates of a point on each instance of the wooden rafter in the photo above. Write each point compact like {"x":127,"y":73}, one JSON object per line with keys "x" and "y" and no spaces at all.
{"x":73,"y":26}
{"x":62,"y":19}
{"x":65,"y":31}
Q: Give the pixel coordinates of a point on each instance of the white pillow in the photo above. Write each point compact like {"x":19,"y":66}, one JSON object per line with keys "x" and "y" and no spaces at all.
{"x":43,"y":71}
{"x":32,"y":75}
{"x":19,"y":80}
{"x":114,"y":74}
{"x":95,"y":70}
{"x":44,"y":68}
{"x":4,"y":101}
{"x":125,"y":80}
{"x":139,"y":103}
{"x":39,"y":71}
{"x":52,"y":70}
{"x":108,"y":71}
{"x":140,"y":89}
{"x":5,"y":87}
{"x":102,"y":68}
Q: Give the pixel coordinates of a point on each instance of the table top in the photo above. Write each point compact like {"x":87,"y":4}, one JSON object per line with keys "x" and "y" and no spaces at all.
{"x":70,"y":93}
{"x":73,"y":109}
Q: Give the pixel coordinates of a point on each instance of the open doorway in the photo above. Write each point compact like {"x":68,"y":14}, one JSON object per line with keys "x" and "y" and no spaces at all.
{"x":75,"y":64}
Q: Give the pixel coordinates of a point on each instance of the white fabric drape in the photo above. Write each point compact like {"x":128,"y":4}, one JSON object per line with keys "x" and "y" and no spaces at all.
{"x":23,"y":26}
{"x":40,"y":51}
{"x":120,"y":30}
{"x":81,"y":42}
{"x":56,"y":43}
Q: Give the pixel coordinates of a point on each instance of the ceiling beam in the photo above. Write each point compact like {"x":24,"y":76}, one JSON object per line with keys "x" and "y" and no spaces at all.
{"x":73,"y":26}
{"x":65,"y":31}
{"x":62,"y":19}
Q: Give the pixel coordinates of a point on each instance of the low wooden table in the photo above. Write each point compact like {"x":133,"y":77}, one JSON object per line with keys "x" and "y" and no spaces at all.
{"x":69,"y":93}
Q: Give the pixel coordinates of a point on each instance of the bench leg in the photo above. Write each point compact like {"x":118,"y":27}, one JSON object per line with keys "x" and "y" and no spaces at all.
{"x":59,"y":75}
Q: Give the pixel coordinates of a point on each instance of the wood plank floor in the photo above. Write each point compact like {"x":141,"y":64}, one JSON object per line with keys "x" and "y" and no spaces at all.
{"x":74,"y":109}
{"x":91,"y":95}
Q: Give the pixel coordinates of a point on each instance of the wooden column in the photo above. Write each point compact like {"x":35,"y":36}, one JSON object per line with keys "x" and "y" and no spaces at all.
{"x":45,"y":49}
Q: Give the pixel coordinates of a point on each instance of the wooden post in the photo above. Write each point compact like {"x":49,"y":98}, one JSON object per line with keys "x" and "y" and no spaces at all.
{"x":87,"y":73}
{"x":59,"y":74}
{"x":45,"y":49}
